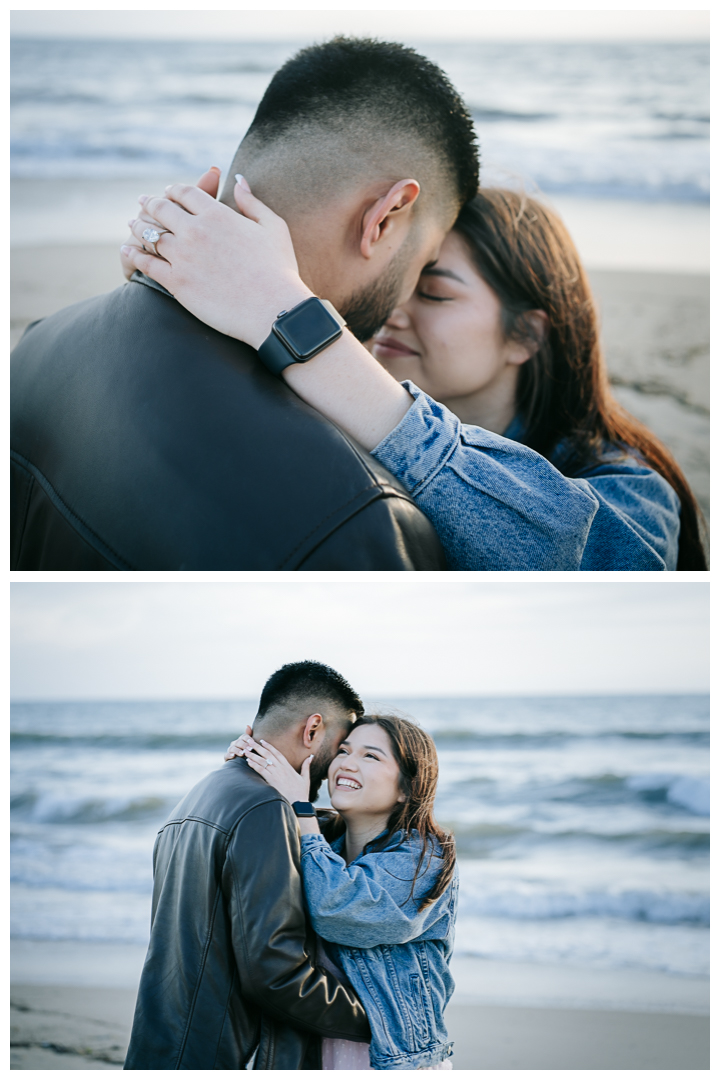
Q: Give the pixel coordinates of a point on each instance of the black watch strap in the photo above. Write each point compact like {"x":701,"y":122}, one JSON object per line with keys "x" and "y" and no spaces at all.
{"x":301,"y":333}
{"x":304,"y":809}
{"x":275,"y":355}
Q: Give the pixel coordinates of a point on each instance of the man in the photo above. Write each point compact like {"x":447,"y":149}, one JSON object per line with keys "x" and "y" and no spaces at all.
{"x":142,"y":439}
{"x":230,"y":972}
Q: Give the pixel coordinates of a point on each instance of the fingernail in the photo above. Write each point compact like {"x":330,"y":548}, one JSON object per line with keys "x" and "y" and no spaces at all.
{"x":132,"y":221}
{"x":125,"y":249}
{"x":242,"y":182}
{"x":142,"y":199}
{"x":214,"y":168}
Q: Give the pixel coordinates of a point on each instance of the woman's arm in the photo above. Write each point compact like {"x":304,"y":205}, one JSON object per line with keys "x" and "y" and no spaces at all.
{"x":236,"y":272}
{"x":498,"y":505}
{"x":368,"y":903}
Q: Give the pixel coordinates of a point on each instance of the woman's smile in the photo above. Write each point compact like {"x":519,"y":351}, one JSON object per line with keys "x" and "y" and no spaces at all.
{"x":387,"y":348}
{"x":348,"y":782}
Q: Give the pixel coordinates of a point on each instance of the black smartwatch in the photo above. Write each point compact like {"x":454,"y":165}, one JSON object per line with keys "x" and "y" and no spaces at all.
{"x":301,"y":333}
{"x":303,"y":809}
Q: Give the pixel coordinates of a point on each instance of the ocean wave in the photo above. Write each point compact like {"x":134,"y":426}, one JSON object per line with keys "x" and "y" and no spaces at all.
{"x":631,"y":905}
{"x":484,"y":840}
{"x":483,"y":115}
{"x":50,"y":809}
{"x":445,"y":738}
{"x":689,"y":792}
{"x":588,"y":942}
{"x":216,"y":741}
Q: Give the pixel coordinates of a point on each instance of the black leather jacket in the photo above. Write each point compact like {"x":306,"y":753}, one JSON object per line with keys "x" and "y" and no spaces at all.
{"x":230,"y":967}
{"x":143,"y":440}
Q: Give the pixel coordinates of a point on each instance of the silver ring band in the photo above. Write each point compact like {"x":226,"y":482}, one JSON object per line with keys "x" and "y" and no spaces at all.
{"x":151,"y":237}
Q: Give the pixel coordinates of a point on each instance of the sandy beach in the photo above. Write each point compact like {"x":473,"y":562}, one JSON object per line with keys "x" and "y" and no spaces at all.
{"x":655,"y":327}
{"x":503,"y":1015}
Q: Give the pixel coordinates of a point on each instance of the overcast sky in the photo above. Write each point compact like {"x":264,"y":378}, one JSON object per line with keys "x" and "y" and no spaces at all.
{"x":408,"y":22}
{"x":409,"y":636}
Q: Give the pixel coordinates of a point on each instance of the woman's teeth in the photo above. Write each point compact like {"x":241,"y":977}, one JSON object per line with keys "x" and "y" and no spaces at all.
{"x":343,"y":782}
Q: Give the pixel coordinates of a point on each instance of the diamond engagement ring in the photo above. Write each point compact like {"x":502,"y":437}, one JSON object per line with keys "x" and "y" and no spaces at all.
{"x":151,"y":237}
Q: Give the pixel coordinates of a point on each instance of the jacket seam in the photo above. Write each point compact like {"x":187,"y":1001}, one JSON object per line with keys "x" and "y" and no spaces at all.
{"x":224,"y":1020}
{"x":366,"y":497}
{"x":25,"y":508}
{"x":72,"y":519}
{"x":203,"y":960}
{"x":213,"y":825}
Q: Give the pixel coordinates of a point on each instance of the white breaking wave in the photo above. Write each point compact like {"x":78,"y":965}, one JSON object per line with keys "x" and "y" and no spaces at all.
{"x":690,"y":792}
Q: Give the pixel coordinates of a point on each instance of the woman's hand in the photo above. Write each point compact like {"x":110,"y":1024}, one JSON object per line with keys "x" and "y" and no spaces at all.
{"x":237,"y":748}
{"x":209,"y":182}
{"x":234,"y":271}
{"x":266,"y":760}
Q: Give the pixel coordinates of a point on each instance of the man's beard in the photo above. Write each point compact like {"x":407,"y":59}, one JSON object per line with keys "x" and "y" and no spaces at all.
{"x":318,"y":770}
{"x":371,"y":307}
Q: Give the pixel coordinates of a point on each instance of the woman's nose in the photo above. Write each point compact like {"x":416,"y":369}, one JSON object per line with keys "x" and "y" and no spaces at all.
{"x":399,"y":319}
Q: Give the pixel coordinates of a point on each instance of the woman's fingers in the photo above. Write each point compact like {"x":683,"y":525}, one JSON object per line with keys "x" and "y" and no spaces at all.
{"x":128,"y":268}
{"x":271,"y":750}
{"x":157,"y":269}
{"x":139,"y":226}
{"x":189,"y":197}
{"x":166,"y":212}
{"x":250,"y":207}
{"x":210,"y":181}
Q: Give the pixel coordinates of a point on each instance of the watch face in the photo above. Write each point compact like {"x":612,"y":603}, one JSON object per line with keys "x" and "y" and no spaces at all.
{"x":307,"y":329}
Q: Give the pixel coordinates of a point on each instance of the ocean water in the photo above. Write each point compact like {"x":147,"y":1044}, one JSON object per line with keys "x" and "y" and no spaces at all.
{"x":611,"y":121}
{"x":582,"y":823}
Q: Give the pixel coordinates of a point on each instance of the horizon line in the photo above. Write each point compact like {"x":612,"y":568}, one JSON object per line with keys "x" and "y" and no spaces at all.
{"x":425,"y":38}
{"x":370,"y":697}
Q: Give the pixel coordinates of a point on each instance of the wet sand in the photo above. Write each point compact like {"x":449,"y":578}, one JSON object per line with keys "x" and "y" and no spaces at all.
{"x":88,"y":1028}
{"x":655,"y":332}
{"x":72,"y":1005}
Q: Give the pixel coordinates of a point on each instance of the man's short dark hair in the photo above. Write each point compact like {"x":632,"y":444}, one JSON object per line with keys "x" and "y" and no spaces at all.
{"x":308,"y":679}
{"x":384,"y":90}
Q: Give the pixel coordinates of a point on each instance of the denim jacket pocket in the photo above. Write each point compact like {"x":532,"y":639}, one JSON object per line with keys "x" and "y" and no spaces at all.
{"x":419,"y":1004}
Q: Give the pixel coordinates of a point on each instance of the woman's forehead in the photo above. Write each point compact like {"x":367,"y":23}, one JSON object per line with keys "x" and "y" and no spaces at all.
{"x":370,"y":735}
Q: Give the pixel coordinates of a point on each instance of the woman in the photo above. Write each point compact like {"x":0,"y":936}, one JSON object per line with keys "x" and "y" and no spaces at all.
{"x":503,"y":427}
{"x":381,"y":887}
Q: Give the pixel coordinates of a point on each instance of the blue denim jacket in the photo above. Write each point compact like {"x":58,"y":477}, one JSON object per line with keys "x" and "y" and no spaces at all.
{"x":498,"y":505}
{"x":395,"y":956}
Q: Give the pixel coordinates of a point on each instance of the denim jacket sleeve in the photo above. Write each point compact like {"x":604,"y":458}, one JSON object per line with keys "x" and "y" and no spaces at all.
{"x":498,"y":505}
{"x":366,"y":903}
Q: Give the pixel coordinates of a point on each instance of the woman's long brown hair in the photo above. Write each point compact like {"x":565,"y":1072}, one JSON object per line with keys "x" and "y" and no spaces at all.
{"x":525,"y":254}
{"x":416,"y":756}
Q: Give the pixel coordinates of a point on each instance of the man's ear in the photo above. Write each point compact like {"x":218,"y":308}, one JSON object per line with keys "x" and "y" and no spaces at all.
{"x":310,"y":729}
{"x":387,"y":213}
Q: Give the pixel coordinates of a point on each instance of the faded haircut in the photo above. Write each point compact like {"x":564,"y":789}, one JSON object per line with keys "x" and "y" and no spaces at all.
{"x":307,"y":683}
{"x":353,"y":104}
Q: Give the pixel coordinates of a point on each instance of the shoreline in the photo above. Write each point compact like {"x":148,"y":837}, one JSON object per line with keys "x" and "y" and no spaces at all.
{"x":72,"y":1005}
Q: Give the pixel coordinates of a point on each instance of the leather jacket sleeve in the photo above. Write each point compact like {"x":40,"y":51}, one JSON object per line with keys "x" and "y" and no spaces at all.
{"x":262,"y":883}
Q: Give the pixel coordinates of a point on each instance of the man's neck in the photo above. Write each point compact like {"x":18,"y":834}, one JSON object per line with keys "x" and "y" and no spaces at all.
{"x":285,"y":743}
